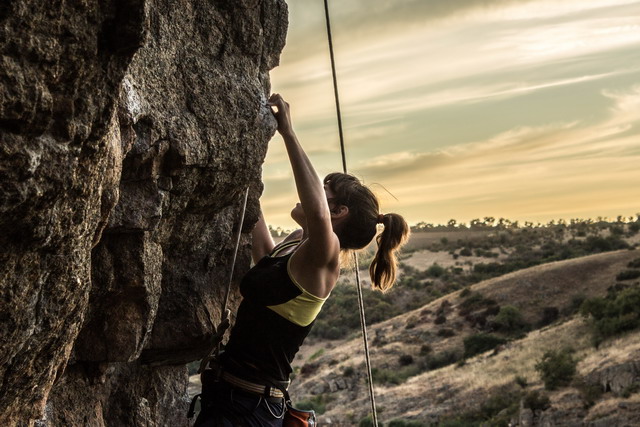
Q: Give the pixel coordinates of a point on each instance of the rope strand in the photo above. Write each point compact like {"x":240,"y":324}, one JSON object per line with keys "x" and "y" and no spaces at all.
{"x":235,"y":252}
{"x":335,"y":86}
{"x":225,"y":315}
{"x":363,"y":323}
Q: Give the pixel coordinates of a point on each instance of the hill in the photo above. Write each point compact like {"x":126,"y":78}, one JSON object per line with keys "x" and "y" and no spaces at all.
{"x":421,"y":372}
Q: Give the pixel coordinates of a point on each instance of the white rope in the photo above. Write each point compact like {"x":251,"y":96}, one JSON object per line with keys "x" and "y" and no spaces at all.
{"x":363,"y":323}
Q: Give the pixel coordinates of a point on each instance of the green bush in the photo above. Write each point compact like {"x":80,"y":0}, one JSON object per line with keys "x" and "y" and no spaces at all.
{"x":394,"y":376}
{"x":348,"y":371}
{"x":628,"y":275}
{"x":536,"y":401}
{"x":557,"y":368}
{"x":317,"y":354}
{"x":589,"y":392}
{"x":465,"y":252}
{"x":479,"y":343}
{"x":474,"y":301}
{"x":509,"y":320}
{"x":405,"y":359}
{"x":435,"y":270}
{"x":316,"y":403}
{"x":367,"y":422}
{"x":440,"y":360}
{"x":634,"y":264}
{"x":446,"y":332}
{"x":521,"y":381}
{"x":496,"y":411}
{"x":425,"y":349}
{"x":618,"y":312}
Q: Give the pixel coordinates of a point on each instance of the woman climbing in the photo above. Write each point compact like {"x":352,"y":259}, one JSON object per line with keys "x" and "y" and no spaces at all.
{"x":285,"y":290}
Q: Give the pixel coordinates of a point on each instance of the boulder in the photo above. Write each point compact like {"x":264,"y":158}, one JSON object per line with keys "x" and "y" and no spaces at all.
{"x":129,"y":132}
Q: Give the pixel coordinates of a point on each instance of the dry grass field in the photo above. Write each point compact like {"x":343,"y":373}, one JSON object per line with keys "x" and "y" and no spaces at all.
{"x":455,"y":389}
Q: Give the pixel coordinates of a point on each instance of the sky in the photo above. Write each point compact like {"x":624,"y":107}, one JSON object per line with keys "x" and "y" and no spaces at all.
{"x":527,"y":110}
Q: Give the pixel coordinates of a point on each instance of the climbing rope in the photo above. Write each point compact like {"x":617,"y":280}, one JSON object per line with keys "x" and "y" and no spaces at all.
{"x":226,"y":313}
{"x":363,"y":323}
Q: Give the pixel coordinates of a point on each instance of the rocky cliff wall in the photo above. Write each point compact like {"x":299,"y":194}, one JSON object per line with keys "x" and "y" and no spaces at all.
{"x":129,"y":130}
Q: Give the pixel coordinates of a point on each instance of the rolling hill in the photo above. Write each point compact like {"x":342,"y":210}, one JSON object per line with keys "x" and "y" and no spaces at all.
{"x":421,"y":374}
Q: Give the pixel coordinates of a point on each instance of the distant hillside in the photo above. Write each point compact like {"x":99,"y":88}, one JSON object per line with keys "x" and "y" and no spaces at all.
{"x":421,"y":373}
{"x":436,"y":263}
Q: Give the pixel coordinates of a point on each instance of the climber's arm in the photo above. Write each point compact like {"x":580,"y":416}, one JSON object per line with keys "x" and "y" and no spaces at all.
{"x":261,"y":240}
{"x":321,"y":249}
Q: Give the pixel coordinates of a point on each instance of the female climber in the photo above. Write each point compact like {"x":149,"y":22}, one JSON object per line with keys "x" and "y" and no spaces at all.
{"x":285,"y":290}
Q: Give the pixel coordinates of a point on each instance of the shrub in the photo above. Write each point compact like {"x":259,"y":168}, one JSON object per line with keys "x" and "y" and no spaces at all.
{"x":435,"y":270}
{"x":440,"y":360}
{"x":317,"y":354}
{"x":557,"y":368}
{"x":521,"y":381}
{"x":366,"y":421}
{"x":474,"y":301}
{"x":309,"y":368}
{"x":394,"y":376}
{"x":405,"y":359}
{"x":497,"y":402}
{"x":348,"y":371}
{"x":619,"y":311}
{"x":509,"y":320}
{"x":634,"y":264}
{"x":425,"y":349}
{"x":589,"y":392}
{"x":440,"y":319}
{"x":446,"y":333}
{"x":603,"y":244}
{"x":465,"y":252}
{"x":574,"y":306}
{"x":496,"y":411}
{"x":536,"y":401}
{"x":317,"y":403}
{"x":412,"y":322}
{"x":628,"y":275}
{"x":479,"y":343}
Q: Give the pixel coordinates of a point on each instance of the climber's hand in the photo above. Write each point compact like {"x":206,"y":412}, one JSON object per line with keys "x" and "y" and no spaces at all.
{"x":280,"y":110}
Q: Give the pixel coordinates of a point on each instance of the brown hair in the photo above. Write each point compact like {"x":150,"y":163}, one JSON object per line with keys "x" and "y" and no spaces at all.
{"x":361,"y":227}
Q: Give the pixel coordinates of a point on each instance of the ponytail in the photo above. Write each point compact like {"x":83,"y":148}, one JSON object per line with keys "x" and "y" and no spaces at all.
{"x":383,"y":267}
{"x":360,"y":227}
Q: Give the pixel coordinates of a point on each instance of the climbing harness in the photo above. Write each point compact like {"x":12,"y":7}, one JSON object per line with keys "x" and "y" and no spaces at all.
{"x":363,"y":323}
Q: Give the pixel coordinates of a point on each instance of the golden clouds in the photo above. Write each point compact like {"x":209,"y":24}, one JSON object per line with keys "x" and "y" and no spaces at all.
{"x":522,"y":109}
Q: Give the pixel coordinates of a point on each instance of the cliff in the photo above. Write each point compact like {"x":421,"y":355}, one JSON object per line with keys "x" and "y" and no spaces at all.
{"x":129,"y":131}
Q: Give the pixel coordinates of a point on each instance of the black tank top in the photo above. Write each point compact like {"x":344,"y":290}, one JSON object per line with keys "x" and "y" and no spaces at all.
{"x":274,"y":317}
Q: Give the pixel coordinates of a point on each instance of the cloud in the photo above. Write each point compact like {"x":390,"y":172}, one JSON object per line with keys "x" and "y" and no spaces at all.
{"x":471,"y":107}
{"x":533,"y":173}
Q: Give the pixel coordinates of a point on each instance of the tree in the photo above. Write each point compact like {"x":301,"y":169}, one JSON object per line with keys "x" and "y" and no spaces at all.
{"x":557,"y":368}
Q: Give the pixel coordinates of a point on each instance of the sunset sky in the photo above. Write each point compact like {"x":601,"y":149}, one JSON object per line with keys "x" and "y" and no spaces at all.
{"x":528,"y":110}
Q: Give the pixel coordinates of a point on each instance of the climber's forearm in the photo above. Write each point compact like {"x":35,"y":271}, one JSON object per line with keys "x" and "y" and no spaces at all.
{"x":310,"y":189}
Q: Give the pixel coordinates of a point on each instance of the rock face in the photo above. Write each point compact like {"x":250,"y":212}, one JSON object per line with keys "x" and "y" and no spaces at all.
{"x":129,"y":131}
